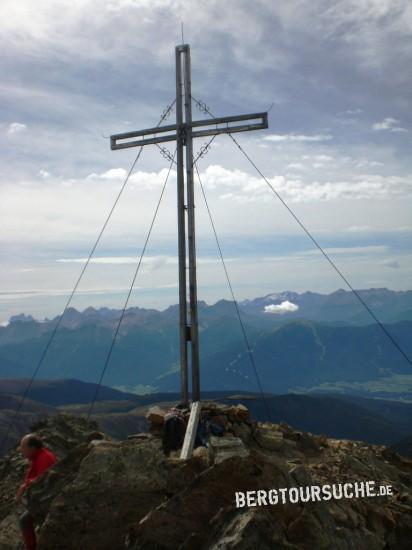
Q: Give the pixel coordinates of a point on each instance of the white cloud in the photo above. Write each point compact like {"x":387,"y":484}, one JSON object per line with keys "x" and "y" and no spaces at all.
{"x":150,"y":261}
{"x":296,"y":166}
{"x":139,"y":179}
{"x":389,"y":123}
{"x":323,"y":158}
{"x":359,"y":228}
{"x":399,"y":129}
{"x":72,"y":211}
{"x":18,"y":294}
{"x":113,"y":260}
{"x":113,"y":174}
{"x":365,"y":163}
{"x":149,"y":264}
{"x":16,"y":128}
{"x":298,"y":137}
{"x":242,"y":187}
{"x":44,"y":174}
{"x":281,"y":309}
{"x":372,"y":249}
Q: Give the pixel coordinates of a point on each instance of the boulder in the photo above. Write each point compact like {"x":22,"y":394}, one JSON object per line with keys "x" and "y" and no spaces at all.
{"x":202,"y":454}
{"x":115,"y":485}
{"x":222,"y":448}
{"x":269,"y":439}
{"x":195,"y":517}
{"x":156,"y":415}
{"x":238,"y":413}
{"x":242,"y":430}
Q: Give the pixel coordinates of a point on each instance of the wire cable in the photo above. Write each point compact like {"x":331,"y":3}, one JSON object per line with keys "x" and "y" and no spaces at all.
{"x":327,"y":257}
{"x":109,"y":354}
{"x":315,"y":242}
{"x":252,"y":360}
{"x":27,"y":390}
{"x":60,"y":318}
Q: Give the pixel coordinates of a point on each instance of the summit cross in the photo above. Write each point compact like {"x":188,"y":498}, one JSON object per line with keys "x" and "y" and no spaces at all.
{"x":183,"y":132}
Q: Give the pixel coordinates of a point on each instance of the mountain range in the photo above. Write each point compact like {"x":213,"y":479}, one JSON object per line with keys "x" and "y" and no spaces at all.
{"x":300,"y":342}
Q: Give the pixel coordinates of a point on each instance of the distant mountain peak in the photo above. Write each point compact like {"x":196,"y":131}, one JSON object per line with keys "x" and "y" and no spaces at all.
{"x":21,"y":318}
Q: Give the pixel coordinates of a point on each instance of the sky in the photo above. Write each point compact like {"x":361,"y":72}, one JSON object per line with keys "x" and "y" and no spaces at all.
{"x":336,"y":77}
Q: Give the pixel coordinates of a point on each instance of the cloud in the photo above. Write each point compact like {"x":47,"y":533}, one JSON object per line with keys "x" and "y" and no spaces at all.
{"x":19,"y":294}
{"x":281,"y":309}
{"x":296,"y":166}
{"x":389,"y":123}
{"x":353,"y":111}
{"x":243,"y":187}
{"x":77,"y":78}
{"x":150,"y":261}
{"x":139,"y":179}
{"x":393,"y":264}
{"x":399,"y":129}
{"x":359,"y":228}
{"x":298,"y":137}
{"x":371,"y":249}
{"x":113,"y":260}
{"x":16,"y":128}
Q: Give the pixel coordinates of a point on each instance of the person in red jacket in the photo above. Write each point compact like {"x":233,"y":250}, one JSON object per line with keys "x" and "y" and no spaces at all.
{"x":41,"y":459}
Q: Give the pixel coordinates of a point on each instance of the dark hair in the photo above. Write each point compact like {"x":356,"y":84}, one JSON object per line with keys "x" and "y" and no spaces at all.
{"x":34,"y":442}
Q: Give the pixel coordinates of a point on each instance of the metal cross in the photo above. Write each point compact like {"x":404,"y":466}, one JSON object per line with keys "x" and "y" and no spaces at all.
{"x":183,"y":133}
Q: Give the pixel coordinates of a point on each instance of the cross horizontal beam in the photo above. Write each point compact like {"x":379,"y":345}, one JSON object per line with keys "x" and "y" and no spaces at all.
{"x":211,"y":127}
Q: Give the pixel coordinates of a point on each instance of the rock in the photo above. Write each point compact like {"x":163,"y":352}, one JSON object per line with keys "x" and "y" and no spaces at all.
{"x":222,"y":448}
{"x":321,"y":440}
{"x":202,"y":454}
{"x":200,"y":512}
{"x":96,"y":442}
{"x":251,"y":529}
{"x":155,"y":415}
{"x":269,"y":439}
{"x":243,"y":431}
{"x":238,"y":413}
{"x":9,"y":531}
{"x":220,"y":420}
{"x":103,"y":494}
{"x":115,"y":484}
{"x":294,"y":461}
{"x":307,"y":442}
{"x":140,"y":437}
{"x":301,"y":475}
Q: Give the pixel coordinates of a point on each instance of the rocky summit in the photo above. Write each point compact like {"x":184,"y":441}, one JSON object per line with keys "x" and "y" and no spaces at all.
{"x":109,"y":494}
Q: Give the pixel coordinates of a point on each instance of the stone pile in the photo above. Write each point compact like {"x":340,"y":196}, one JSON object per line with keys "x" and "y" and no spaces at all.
{"x":234,"y":420}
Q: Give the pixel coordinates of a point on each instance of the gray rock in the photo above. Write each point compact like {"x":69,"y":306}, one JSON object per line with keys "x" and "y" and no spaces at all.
{"x":222,"y":448}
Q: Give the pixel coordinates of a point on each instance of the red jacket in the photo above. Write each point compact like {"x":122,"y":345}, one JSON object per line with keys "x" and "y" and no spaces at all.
{"x":40,"y":462}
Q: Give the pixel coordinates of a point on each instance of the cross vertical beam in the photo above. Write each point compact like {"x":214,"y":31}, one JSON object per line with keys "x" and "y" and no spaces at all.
{"x":194,"y":333}
{"x":181,"y":229}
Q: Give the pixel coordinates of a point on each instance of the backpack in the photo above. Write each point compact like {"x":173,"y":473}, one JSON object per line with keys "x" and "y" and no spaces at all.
{"x":174,"y":429}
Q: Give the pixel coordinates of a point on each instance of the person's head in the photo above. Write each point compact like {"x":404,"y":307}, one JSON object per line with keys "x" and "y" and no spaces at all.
{"x":30,"y":444}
